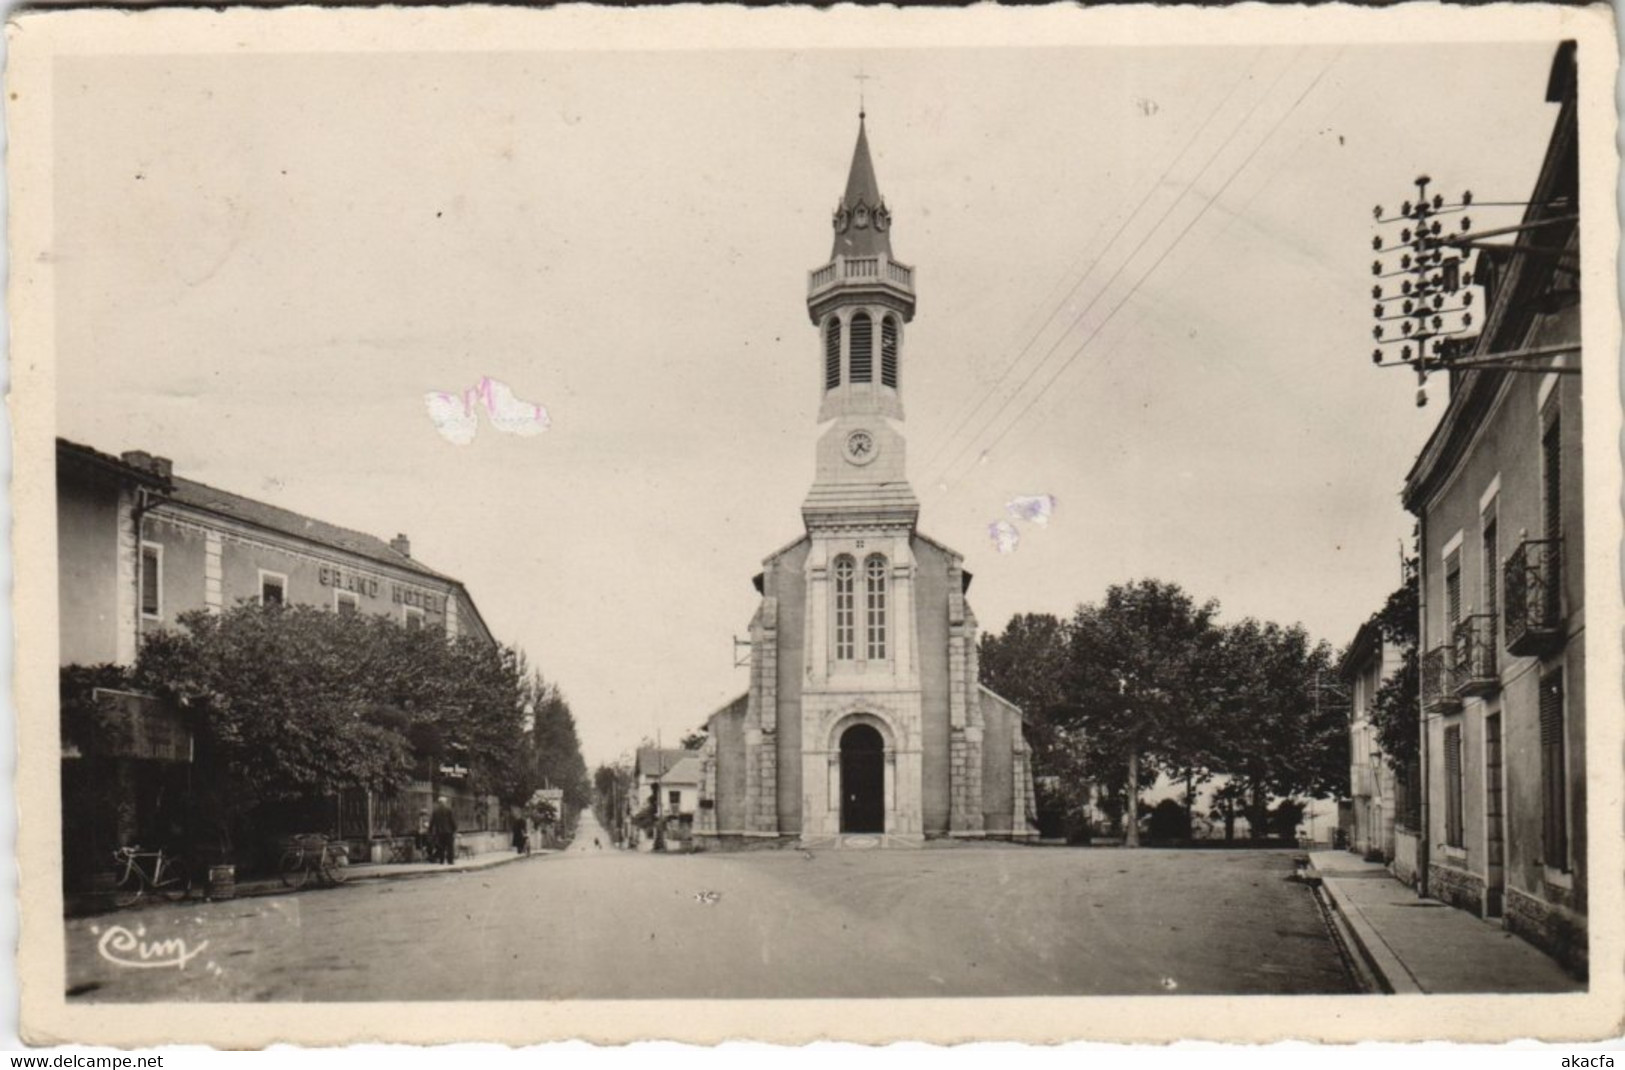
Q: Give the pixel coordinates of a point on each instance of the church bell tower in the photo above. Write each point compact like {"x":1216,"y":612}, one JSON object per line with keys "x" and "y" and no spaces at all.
{"x":861,"y":302}
{"x":861,"y":726}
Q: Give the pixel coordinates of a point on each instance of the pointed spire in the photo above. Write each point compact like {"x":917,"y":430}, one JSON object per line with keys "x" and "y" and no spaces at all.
{"x":862,"y":223}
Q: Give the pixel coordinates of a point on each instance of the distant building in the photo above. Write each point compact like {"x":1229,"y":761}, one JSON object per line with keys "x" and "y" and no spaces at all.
{"x":651,"y":800}
{"x":1366,"y":665}
{"x":1498,"y":492}
{"x":865,"y":714}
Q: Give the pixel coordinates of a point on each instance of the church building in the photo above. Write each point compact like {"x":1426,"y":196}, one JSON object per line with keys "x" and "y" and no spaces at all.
{"x":865,"y":717}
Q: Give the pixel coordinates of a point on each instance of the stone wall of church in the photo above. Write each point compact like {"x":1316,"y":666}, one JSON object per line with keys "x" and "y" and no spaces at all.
{"x":1000,"y":758}
{"x":788,"y":584}
{"x":726,"y":778}
{"x":932,"y":583}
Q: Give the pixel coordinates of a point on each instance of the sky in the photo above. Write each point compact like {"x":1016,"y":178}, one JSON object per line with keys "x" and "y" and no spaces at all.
{"x":1149,"y":267}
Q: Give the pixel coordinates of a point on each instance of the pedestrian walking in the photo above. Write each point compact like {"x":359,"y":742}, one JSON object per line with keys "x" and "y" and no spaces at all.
{"x":443,"y":832}
{"x":521,"y":839}
{"x":596,"y":844}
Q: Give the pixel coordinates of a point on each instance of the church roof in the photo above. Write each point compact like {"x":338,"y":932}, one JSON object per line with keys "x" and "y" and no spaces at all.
{"x":861,"y":239}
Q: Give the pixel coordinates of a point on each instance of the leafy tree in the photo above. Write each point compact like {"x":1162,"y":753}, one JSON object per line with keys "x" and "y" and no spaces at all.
{"x":1135,"y":680}
{"x":1396,"y":711}
{"x":1027,"y":663}
{"x":1272,"y":733}
{"x":294,"y":704}
{"x":556,"y":747}
{"x":695,"y":739}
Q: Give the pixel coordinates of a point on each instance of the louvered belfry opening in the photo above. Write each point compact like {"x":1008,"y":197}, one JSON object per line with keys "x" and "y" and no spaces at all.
{"x":863,"y":352}
{"x":832,"y":353}
{"x":888,"y":352}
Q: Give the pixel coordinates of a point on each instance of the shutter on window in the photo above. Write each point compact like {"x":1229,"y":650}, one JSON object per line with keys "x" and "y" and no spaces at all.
{"x":1552,"y":471}
{"x":1553,"y":789}
{"x":1452,"y":781}
{"x":1452,"y":591}
{"x":863,"y":348}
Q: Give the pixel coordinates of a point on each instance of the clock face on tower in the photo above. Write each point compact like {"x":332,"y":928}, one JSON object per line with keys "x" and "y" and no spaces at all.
{"x":861,"y":447}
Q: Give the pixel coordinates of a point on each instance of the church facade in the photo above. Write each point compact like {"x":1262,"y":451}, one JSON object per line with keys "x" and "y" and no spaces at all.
{"x":865,"y":716}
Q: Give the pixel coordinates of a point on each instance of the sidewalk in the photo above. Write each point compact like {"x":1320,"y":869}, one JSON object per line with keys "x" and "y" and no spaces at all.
{"x":1422,"y":945}
{"x":81,"y":904}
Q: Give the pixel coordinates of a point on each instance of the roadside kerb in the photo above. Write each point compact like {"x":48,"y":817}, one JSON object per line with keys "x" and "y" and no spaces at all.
{"x":1366,"y":942}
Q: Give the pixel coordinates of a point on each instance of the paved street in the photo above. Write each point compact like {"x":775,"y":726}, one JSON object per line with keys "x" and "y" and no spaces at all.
{"x":601,"y":923}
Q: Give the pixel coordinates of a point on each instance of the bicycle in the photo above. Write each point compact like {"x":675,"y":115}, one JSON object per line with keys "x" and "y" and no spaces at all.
{"x":168,"y":877}
{"x":314,"y":854}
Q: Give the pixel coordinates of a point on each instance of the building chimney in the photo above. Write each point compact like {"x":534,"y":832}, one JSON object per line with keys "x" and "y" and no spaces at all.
{"x":401,"y":545}
{"x":162,"y":467}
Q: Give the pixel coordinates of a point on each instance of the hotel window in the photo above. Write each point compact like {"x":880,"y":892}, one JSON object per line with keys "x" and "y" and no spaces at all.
{"x":1453,"y":832}
{"x":348,"y":603}
{"x":863,"y":349}
{"x":152,"y":580}
{"x":845,"y":578}
{"x":273,"y":588}
{"x":414,"y":618}
{"x":1553,"y":776}
{"x":874,"y":576}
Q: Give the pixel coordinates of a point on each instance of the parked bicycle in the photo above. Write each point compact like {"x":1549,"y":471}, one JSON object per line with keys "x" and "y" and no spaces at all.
{"x":313,"y":854}
{"x":140,"y":871}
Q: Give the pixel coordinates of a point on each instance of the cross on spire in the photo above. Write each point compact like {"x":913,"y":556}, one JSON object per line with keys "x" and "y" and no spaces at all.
{"x":861,"y":78}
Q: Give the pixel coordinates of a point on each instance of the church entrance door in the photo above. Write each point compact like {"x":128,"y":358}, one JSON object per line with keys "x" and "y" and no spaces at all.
{"x":863,"y":780}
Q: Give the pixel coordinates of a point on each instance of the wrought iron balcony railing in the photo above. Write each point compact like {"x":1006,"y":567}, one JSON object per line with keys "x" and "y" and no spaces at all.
{"x":1439,"y":680}
{"x":1476,"y":670}
{"x":1532,"y":586}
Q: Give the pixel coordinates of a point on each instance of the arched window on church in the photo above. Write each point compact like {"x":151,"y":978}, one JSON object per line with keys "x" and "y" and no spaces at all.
{"x":845,"y":580}
{"x":832,"y":353}
{"x":874,"y":583}
{"x":888,"y":351}
{"x":863,"y":349}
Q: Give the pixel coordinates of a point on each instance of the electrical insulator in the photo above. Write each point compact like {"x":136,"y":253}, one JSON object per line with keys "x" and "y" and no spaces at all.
{"x":1438,"y":201}
{"x":1376,"y":311}
{"x":1406,"y":308}
{"x":1466,"y":198}
{"x":1376,"y":332}
{"x":1467,"y":300}
{"x":1376,"y":293}
{"x":1405,"y":262}
{"x":1421,"y":397}
{"x":1405,"y":209}
{"x":1376,"y":356}
{"x":1405,"y":287}
{"x":1466,"y":223}
{"x":1376,"y":267}
{"x":1466,"y":319}
{"x":1376,"y":213}
{"x":1438,"y":300}
{"x":1405,"y":235}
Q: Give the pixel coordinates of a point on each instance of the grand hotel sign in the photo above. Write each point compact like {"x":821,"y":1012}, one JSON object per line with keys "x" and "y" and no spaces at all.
{"x":401,"y":594}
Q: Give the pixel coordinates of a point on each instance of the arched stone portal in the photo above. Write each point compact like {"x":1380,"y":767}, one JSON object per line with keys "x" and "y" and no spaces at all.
{"x":863,"y":780}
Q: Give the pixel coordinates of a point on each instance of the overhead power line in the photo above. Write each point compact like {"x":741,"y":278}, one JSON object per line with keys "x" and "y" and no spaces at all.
{"x":962,"y":416}
{"x":1144,"y":240}
{"x":1208,"y":204}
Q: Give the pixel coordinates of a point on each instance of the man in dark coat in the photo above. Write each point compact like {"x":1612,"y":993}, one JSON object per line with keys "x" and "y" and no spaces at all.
{"x":443,"y":832}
